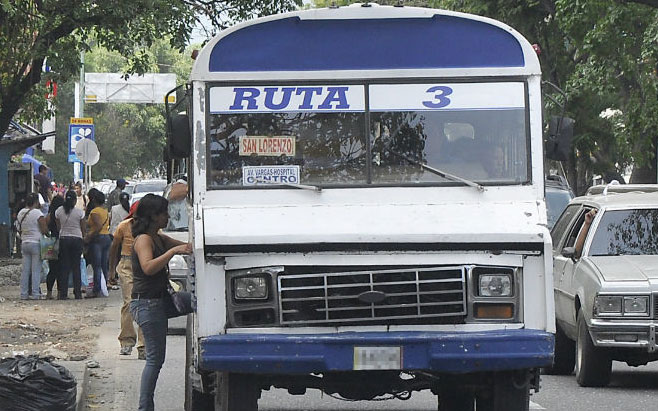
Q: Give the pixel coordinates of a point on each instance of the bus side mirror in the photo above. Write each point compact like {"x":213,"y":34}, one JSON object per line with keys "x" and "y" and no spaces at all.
{"x":569,"y":252}
{"x":179,"y":136}
{"x":558,"y":140}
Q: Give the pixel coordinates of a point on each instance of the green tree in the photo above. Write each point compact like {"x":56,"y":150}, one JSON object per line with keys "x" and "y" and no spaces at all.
{"x":35,"y":31}
{"x":130,"y":137}
{"x":604,"y":55}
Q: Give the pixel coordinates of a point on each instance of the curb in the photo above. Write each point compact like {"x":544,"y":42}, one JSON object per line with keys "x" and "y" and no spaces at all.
{"x":81,"y":396}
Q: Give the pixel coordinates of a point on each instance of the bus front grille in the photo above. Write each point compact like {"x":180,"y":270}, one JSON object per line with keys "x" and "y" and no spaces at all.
{"x":434,"y":295}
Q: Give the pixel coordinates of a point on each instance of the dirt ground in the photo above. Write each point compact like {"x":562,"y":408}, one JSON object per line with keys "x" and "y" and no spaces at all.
{"x":62,"y":329}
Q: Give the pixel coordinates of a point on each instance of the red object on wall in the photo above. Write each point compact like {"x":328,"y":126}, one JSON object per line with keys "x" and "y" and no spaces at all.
{"x":52,"y":86}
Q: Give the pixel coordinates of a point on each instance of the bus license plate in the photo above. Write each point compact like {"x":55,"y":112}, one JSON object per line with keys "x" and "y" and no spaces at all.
{"x":377,"y":358}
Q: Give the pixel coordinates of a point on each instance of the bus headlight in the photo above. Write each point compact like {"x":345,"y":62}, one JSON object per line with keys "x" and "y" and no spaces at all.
{"x":250,"y":288}
{"x":495,"y":285}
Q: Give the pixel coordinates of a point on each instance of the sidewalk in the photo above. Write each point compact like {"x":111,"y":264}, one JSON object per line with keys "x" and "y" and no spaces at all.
{"x":114,"y":384}
{"x":79,"y":371}
{"x":65,"y":330}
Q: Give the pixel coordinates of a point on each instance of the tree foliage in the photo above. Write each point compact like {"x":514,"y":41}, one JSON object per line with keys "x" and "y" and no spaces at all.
{"x":604,"y":55}
{"x":130,"y":137}
{"x":35,"y":31}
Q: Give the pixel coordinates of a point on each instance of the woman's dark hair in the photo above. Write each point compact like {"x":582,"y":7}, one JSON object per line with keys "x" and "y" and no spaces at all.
{"x":55,"y":203}
{"x":31,"y":199}
{"x":124,"y":200}
{"x":149,"y":206}
{"x":70,"y":200}
{"x":96,"y":199}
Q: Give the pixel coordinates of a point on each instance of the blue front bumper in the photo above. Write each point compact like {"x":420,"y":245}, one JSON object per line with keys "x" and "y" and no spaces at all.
{"x":449,"y":352}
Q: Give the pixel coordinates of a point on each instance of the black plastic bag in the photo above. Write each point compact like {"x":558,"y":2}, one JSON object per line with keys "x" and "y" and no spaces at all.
{"x":35,"y":384}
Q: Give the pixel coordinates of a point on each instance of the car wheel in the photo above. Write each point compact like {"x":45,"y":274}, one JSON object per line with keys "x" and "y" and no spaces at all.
{"x":564,"y":359}
{"x":593,"y":365}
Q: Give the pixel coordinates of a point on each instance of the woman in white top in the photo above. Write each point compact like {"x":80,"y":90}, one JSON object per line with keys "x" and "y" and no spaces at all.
{"x":31,"y":223}
{"x":72,"y":228}
{"x":119,"y":212}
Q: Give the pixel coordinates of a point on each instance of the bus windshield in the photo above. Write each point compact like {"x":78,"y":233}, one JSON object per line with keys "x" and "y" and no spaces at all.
{"x":476,"y":138}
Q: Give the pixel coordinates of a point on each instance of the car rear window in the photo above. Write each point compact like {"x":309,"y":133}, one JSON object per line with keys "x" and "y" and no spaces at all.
{"x":149,"y":187}
{"x":626,"y":232}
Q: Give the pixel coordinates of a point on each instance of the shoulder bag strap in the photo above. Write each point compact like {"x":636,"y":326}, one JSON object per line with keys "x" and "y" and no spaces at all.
{"x":20,"y":223}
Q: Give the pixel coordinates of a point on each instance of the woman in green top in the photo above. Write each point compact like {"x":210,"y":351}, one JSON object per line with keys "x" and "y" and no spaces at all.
{"x":98,"y":239}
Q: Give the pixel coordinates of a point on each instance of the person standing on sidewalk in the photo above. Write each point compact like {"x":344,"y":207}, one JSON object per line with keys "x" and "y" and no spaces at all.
{"x":81,"y":201}
{"x":118,"y":213}
{"x":98,"y":239}
{"x":151,"y":304}
{"x":53,"y":265}
{"x":72,"y":229}
{"x":113,"y":197}
{"x":45,"y":186}
{"x":120,"y":262}
{"x":31,"y":223}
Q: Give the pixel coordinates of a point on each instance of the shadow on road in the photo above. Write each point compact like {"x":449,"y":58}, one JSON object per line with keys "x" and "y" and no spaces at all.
{"x":634,"y":379}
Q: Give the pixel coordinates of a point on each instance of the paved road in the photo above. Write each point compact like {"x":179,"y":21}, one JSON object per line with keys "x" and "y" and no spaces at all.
{"x":631,"y":388}
{"x":115,"y":386}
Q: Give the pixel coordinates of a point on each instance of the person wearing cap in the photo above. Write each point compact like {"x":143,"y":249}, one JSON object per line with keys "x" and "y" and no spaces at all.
{"x":113,"y":197}
{"x":120,"y":262}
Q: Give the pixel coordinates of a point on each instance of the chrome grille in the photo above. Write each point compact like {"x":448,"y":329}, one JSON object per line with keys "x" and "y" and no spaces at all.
{"x":412,"y":295}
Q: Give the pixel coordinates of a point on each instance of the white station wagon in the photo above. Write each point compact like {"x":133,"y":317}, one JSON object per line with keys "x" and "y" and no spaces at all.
{"x":605,"y":271}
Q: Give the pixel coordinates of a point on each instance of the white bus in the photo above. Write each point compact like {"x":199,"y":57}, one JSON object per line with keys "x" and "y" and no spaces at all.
{"x":367,"y":210}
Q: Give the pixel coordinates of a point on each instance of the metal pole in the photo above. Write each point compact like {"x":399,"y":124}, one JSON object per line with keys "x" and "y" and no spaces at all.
{"x":80,"y":112}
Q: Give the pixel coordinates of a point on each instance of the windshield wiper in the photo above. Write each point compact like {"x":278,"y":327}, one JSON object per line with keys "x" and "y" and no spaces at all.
{"x":317,"y":189}
{"x":440,"y":173}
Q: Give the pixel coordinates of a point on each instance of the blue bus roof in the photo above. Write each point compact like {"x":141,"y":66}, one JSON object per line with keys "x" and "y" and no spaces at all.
{"x":366,"y":39}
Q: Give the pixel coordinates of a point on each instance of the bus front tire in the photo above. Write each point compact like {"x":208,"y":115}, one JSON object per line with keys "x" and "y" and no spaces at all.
{"x":510,"y":392}
{"x":565,"y":355}
{"x":236,"y":392}
{"x":194,"y":400}
{"x":454,"y":399}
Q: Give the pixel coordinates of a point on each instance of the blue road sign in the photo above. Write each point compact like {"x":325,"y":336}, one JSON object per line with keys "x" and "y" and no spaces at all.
{"x":76,"y":133}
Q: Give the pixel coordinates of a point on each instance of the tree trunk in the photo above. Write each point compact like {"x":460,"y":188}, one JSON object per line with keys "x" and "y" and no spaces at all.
{"x":15,"y":94}
{"x":647,"y":173}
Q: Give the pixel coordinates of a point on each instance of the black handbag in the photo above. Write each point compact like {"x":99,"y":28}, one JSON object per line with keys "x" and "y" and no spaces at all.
{"x":183,"y":305}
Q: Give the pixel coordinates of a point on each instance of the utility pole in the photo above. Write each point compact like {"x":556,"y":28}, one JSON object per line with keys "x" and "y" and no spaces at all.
{"x":79,"y":112}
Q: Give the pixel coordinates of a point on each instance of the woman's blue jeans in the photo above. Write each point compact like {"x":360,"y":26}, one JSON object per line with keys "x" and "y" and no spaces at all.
{"x":99,"y":249}
{"x":31,"y":266}
{"x":151,"y":314}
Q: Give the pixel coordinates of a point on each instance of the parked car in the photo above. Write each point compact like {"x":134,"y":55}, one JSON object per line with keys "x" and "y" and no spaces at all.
{"x":104,"y":186}
{"x":558,"y":194}
{"x":141,"y":188}
{"x":622,"y":188}
{"x":606,"y":293}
